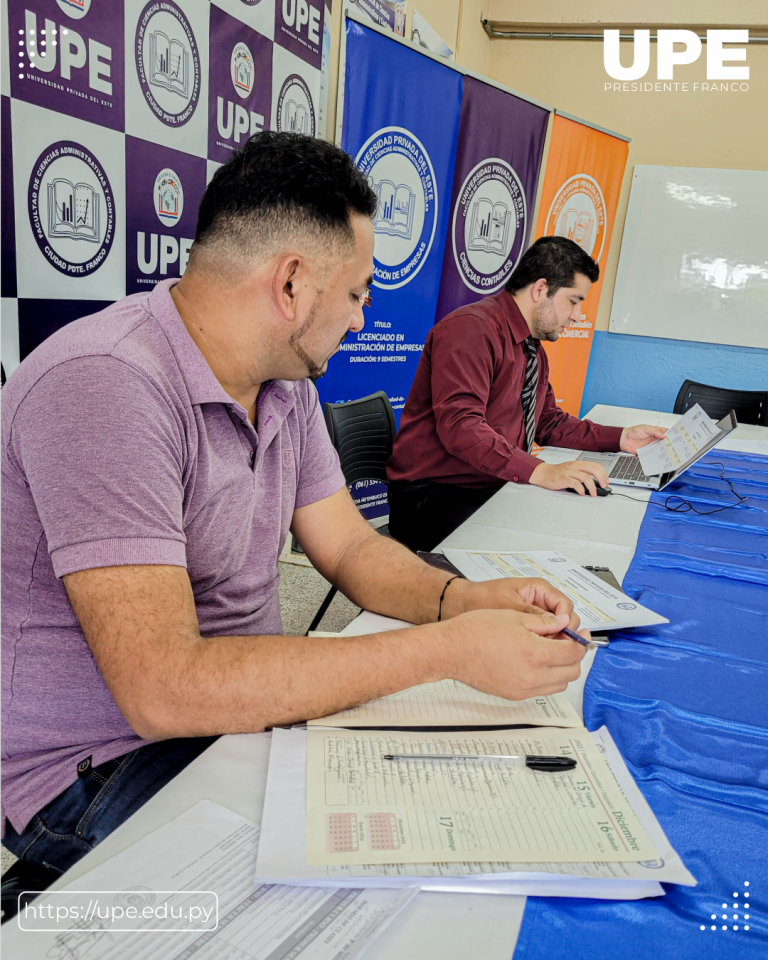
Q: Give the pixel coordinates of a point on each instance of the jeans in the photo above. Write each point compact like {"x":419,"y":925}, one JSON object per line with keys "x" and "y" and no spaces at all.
{"x":423,"y":513}
{"x":98,"y":802}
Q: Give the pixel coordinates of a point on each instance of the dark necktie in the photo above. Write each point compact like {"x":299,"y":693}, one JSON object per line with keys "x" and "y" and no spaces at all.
{"x":528,"y":396}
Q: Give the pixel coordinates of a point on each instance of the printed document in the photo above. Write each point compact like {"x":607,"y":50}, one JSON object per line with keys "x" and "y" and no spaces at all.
{"x":364,"y":809}
{"x":450,"y":703}
{"x":282,"y":850}
{"x":207,"y":849}
{"x":683,"y":441}
{"x":598,"y":605}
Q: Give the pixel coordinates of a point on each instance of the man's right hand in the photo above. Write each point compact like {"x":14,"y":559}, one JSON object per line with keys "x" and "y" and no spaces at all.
{"x":579,"y":475}
{"x":510,"y":654}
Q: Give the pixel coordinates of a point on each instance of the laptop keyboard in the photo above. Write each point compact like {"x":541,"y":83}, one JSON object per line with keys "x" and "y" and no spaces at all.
{"x":628,"y":468}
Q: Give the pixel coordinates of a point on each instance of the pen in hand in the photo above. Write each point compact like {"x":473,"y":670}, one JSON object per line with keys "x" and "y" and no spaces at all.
{"x":575,"y":636}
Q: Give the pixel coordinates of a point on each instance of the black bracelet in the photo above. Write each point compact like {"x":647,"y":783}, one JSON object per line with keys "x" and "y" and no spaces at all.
{"x":442,"y":595}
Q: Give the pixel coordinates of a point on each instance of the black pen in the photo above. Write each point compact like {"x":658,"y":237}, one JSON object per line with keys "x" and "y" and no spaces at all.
{"x":532,"y":761}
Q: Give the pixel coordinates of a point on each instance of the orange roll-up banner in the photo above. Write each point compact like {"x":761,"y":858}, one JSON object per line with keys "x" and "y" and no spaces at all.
{"x":582,"y":182}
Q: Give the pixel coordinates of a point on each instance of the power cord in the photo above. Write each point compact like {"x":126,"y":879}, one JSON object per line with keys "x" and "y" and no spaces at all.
{"x":685,"y":506}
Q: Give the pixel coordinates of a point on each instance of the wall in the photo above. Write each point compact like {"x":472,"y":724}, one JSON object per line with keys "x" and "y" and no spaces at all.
{"x":511,"y":14}
{"x":457,"y":22}
{"x":647,"y":372}
{"x":677,"y":129}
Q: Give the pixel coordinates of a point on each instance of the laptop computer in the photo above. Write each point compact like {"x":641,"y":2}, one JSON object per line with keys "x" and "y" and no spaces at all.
{"x":624,"y":469}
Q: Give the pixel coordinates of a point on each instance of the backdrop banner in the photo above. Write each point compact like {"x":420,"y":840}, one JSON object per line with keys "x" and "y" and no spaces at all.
{"x":498,"y":159}
{"x":401,"y":119}
{"x":114,"y":116}
{"x":582,"y":182}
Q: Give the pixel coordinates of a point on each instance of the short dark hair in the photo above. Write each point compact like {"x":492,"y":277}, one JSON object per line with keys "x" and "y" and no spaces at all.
{"x":554,"y":259}
{"x":279,"y":181}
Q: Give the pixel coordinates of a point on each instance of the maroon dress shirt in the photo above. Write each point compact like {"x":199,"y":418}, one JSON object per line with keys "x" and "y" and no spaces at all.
{"x":463,"y":420}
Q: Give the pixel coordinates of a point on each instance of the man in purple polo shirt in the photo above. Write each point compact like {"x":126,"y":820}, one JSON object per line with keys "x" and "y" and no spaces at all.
{"x":154,"y":458}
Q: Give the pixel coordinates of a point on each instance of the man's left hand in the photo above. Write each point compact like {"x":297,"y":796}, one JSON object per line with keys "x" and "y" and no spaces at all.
{"x":634,"y":437}
{"x":525,"y":594}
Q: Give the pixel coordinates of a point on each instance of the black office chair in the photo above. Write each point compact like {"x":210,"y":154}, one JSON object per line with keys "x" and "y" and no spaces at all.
{"x":363,"y":432}
{"x":751,"y":406}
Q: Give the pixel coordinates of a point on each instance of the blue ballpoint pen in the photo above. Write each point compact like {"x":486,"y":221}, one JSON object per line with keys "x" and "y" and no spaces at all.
{"x":575,"y":636}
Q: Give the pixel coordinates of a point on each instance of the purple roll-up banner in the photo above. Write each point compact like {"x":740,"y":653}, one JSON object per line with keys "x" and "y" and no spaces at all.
{"x":498,"y":160}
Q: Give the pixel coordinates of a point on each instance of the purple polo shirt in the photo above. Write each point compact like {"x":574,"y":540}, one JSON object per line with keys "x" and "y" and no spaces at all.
{"x":119,"y":446}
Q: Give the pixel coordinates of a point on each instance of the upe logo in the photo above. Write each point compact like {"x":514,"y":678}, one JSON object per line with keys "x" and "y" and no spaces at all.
{"x":76,"y":9}
{"x":241,"y":70}
{"x":168,"y":197}
{"x":71,"y":208}
{"x":167,"y":62}
{"x":298,"y":14}
{"x":295,"y":110}
{"x":84,"y":61}
{"x":489,"y":225}
{"x":399,"y":170}
{"x":578,"y":213}
{"x":668,"y":57}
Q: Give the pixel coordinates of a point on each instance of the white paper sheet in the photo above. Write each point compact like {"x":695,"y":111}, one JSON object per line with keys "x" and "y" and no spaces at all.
{"x":453,"y":704}
{"x":598,"y":605}
{"x":282,"y":856}
{"x":692,"y":431}
{"x":206,"y":848}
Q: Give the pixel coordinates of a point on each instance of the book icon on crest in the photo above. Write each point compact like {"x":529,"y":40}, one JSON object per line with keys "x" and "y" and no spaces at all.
{"x":394,"y":214}
{"x":168,"y":204}
{"x":242,"y":78}
{"x":169,"y":61}
{"x":297,"y":118}
{"x":489,"y":227}
{"x":578,"y":227}
{"x":73,"y":211}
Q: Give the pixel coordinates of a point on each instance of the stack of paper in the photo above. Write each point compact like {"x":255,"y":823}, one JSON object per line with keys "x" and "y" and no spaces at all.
{"x":203,"y":859}
{"x":333,"y":815}
{"x":336,"y":811}
{"x":449,"y":703}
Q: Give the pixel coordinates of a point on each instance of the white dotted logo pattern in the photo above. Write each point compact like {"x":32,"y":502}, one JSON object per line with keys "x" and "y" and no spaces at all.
{"x":738,"y":918}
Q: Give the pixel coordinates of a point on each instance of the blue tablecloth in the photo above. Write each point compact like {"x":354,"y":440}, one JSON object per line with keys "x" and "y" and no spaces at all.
{"x":687,"y":704}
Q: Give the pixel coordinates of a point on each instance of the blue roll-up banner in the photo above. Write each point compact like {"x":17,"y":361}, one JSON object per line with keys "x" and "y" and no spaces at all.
{"x":401,"y":122}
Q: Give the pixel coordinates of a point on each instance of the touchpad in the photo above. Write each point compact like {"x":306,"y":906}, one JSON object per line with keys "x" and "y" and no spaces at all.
{"x":606,"y":460}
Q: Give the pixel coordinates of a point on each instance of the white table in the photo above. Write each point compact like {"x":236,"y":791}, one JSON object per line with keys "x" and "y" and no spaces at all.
{"x":233,"y":771}
{"x":593,"y":530}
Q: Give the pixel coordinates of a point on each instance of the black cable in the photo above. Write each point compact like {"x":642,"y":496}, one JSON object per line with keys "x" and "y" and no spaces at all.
{"x":685,"y":506}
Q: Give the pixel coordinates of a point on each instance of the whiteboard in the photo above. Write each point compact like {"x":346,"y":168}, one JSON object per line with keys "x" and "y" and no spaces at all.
{"x":694,"y":256}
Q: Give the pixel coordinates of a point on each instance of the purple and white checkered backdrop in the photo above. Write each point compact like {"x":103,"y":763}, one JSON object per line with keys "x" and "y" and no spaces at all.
{"x":115,"y":114}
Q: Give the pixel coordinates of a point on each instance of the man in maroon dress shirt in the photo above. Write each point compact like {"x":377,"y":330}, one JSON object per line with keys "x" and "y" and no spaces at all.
{"x":470,"y":420}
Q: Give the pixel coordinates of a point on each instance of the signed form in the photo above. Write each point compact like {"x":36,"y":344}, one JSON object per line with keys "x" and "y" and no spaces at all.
{"x":450,"y":703}
{"x":362,"y":809}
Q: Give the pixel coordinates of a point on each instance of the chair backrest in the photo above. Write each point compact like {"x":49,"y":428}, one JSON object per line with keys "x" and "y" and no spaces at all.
{"x":751,"y":406}
{"x":363,"y":432}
